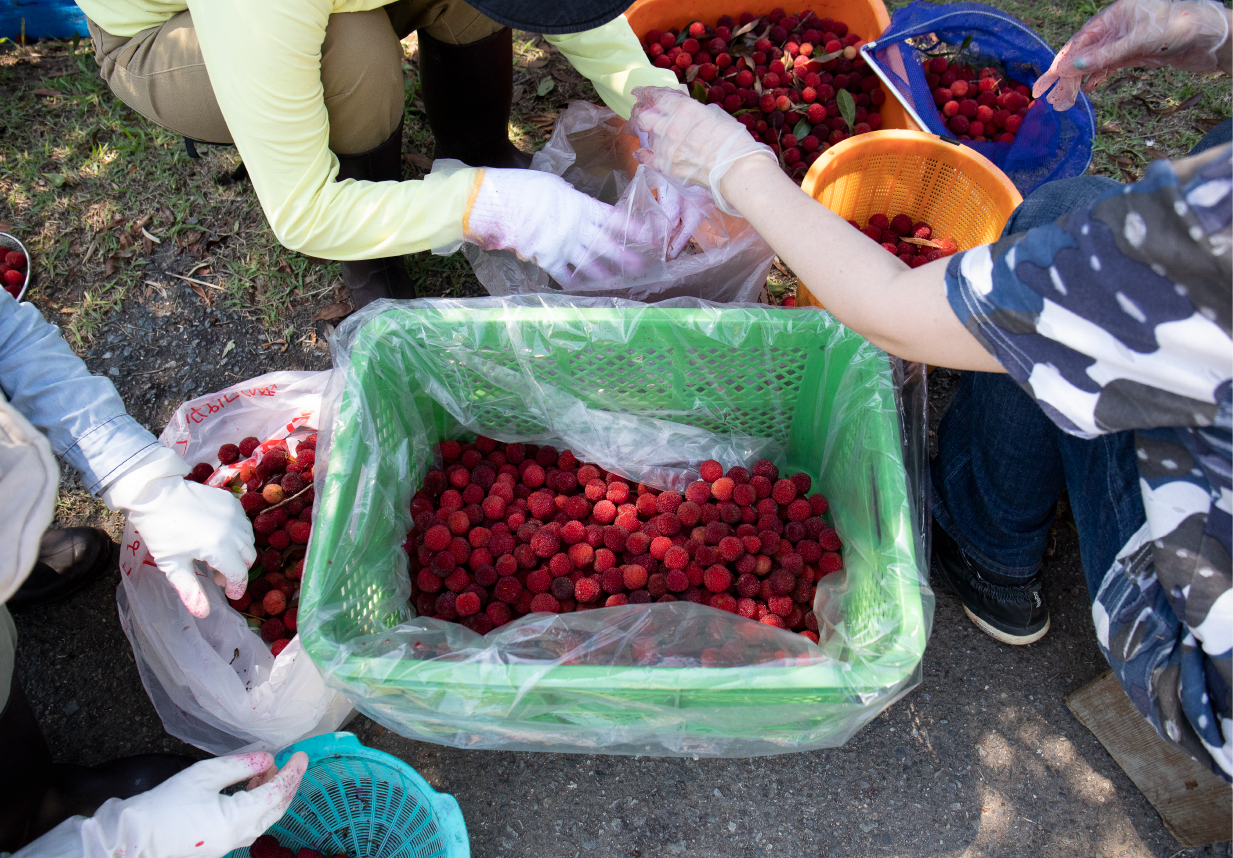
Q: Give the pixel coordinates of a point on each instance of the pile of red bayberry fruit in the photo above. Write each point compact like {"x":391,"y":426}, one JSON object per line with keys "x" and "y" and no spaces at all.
{"x":980,"y":106}
{"x":505,"y":530}
{"x":267,"y":846}
{"x":796,"y":82}
{"x":13,"y":268}
{"x":275,"y":487}
{"x":913,"y":243}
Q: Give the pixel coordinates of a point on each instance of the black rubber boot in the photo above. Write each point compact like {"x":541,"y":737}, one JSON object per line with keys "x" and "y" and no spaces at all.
{"x":25,"y":769}
{"x":370,"y":279}
{"x":69,"y":559}
{"x":467,"y":91}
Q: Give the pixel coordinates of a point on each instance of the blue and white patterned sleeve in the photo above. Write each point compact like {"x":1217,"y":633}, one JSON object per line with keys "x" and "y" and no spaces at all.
{"x":1116,"y":316}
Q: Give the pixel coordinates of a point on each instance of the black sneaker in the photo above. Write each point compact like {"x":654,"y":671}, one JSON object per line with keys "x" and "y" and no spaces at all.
{"x":1012,"y":614}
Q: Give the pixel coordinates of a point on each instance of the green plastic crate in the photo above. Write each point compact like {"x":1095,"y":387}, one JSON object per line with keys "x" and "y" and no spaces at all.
{"x":795,"y":376}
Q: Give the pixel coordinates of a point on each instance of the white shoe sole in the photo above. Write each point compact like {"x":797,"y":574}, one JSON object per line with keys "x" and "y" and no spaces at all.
{"x":1006,"y":637}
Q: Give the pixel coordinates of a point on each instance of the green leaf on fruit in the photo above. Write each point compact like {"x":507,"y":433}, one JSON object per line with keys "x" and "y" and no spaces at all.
{"x":802,"y":129}
{"x":691,"y":73}
{"x":684,"y":34}
{"x":847,"y":107}
{"x":545,"y":86}
{"x":921,"y":242}
{"x":826,"y":58}
{"x":699,"y":91}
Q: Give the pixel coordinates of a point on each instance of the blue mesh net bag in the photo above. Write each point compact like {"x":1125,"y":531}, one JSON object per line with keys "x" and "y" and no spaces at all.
{"x":1048,"y":145}
{"x":41,"y":19}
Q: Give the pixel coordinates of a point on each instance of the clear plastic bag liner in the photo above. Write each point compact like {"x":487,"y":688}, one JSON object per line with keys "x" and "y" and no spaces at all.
{"x":623,"y":384}
{"x":1049,"y":145}
{"x":727,"y":261}
{"x":213,"y":681}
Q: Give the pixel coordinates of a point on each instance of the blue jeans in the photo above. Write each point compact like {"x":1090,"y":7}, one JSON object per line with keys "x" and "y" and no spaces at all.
{"x":1002,"y":464}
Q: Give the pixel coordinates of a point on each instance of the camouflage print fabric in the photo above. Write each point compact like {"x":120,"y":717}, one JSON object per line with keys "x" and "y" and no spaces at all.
{"x":1117,"y":317}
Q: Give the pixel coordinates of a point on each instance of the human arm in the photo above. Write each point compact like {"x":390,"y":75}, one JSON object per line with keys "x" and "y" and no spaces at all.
{"x":183,"y":817}
{"x":900,"y":309}
{"x":1191,"y":35}
{"x":81,"y":414}
{"x":84,"y":418}
{"x":264,"y":65}
{"x":611,"y":57}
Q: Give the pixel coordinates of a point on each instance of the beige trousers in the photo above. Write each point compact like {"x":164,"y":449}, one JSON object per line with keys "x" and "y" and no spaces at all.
{"x":160,"y":72}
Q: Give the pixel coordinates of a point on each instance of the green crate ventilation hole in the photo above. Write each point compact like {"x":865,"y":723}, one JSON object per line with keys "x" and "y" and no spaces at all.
{"x":359,"y":808}
{"x":621,"y":378}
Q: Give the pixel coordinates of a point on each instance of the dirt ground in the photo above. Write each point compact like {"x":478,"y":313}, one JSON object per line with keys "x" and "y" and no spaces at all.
{"x":981,"y":759}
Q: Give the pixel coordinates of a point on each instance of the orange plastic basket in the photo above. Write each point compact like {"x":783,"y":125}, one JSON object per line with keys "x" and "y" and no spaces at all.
{"x":866,"y":18}
{"x":953,"y":188}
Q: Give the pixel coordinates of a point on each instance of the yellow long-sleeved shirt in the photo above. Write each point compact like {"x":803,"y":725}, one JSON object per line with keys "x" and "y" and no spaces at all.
{"x":264,"y":64}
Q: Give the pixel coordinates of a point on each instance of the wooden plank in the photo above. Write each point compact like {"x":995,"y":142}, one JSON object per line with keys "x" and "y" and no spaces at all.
{"x":1195,"y":804}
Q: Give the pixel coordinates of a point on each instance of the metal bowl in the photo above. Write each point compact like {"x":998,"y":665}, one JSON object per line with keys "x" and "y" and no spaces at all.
{"x":7,"y":243}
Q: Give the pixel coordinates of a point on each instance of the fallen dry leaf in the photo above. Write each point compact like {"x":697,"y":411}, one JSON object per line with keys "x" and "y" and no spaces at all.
{"x":419,"y":160}
{"x":1156,"y":154}
{"x":332,"y":311}
{"x":110,"y":265}
{"x":1171,"y":109}
{"x":47,"y":93}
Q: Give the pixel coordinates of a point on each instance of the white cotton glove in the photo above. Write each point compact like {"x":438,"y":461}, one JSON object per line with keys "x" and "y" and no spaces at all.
{"x":543,"y":219}
{"x":183,"y":817}
{"x":1184,"y":34}
{"x":695,"y":144}
{"x":182,"y":521}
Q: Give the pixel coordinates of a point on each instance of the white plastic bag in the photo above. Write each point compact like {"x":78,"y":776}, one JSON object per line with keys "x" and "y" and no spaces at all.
{"x":213,"y":681}
{"x":727,"y":261}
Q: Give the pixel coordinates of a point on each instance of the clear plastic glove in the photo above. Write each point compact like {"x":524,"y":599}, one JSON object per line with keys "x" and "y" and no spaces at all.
{"x":183,"y":521}
{"x":183,"y":817}
{"x":683,"y":208}
{"x":693,"y":143}
{"x":546,"y":221}
{"x":1185,"y":34}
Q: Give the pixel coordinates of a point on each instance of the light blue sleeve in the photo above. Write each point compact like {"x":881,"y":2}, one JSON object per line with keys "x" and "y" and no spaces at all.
{"x":82,"y":415}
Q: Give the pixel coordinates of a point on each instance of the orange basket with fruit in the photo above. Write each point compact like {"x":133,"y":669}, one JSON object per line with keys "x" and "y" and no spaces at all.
{"x":796,"y":80}
{"x":958,"y":193}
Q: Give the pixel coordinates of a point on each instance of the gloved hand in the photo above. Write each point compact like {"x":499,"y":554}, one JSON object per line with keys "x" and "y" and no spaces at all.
{"x":1184,"y":34}
{"x":183,"y":817}
{"x":683,"y":207}
{"x":183,"y":521}
{"x":693,"y":143}
{"x":543,"y":219}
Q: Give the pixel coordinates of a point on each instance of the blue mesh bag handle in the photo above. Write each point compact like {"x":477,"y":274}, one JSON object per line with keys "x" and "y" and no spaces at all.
{"x":1049,"y":144}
